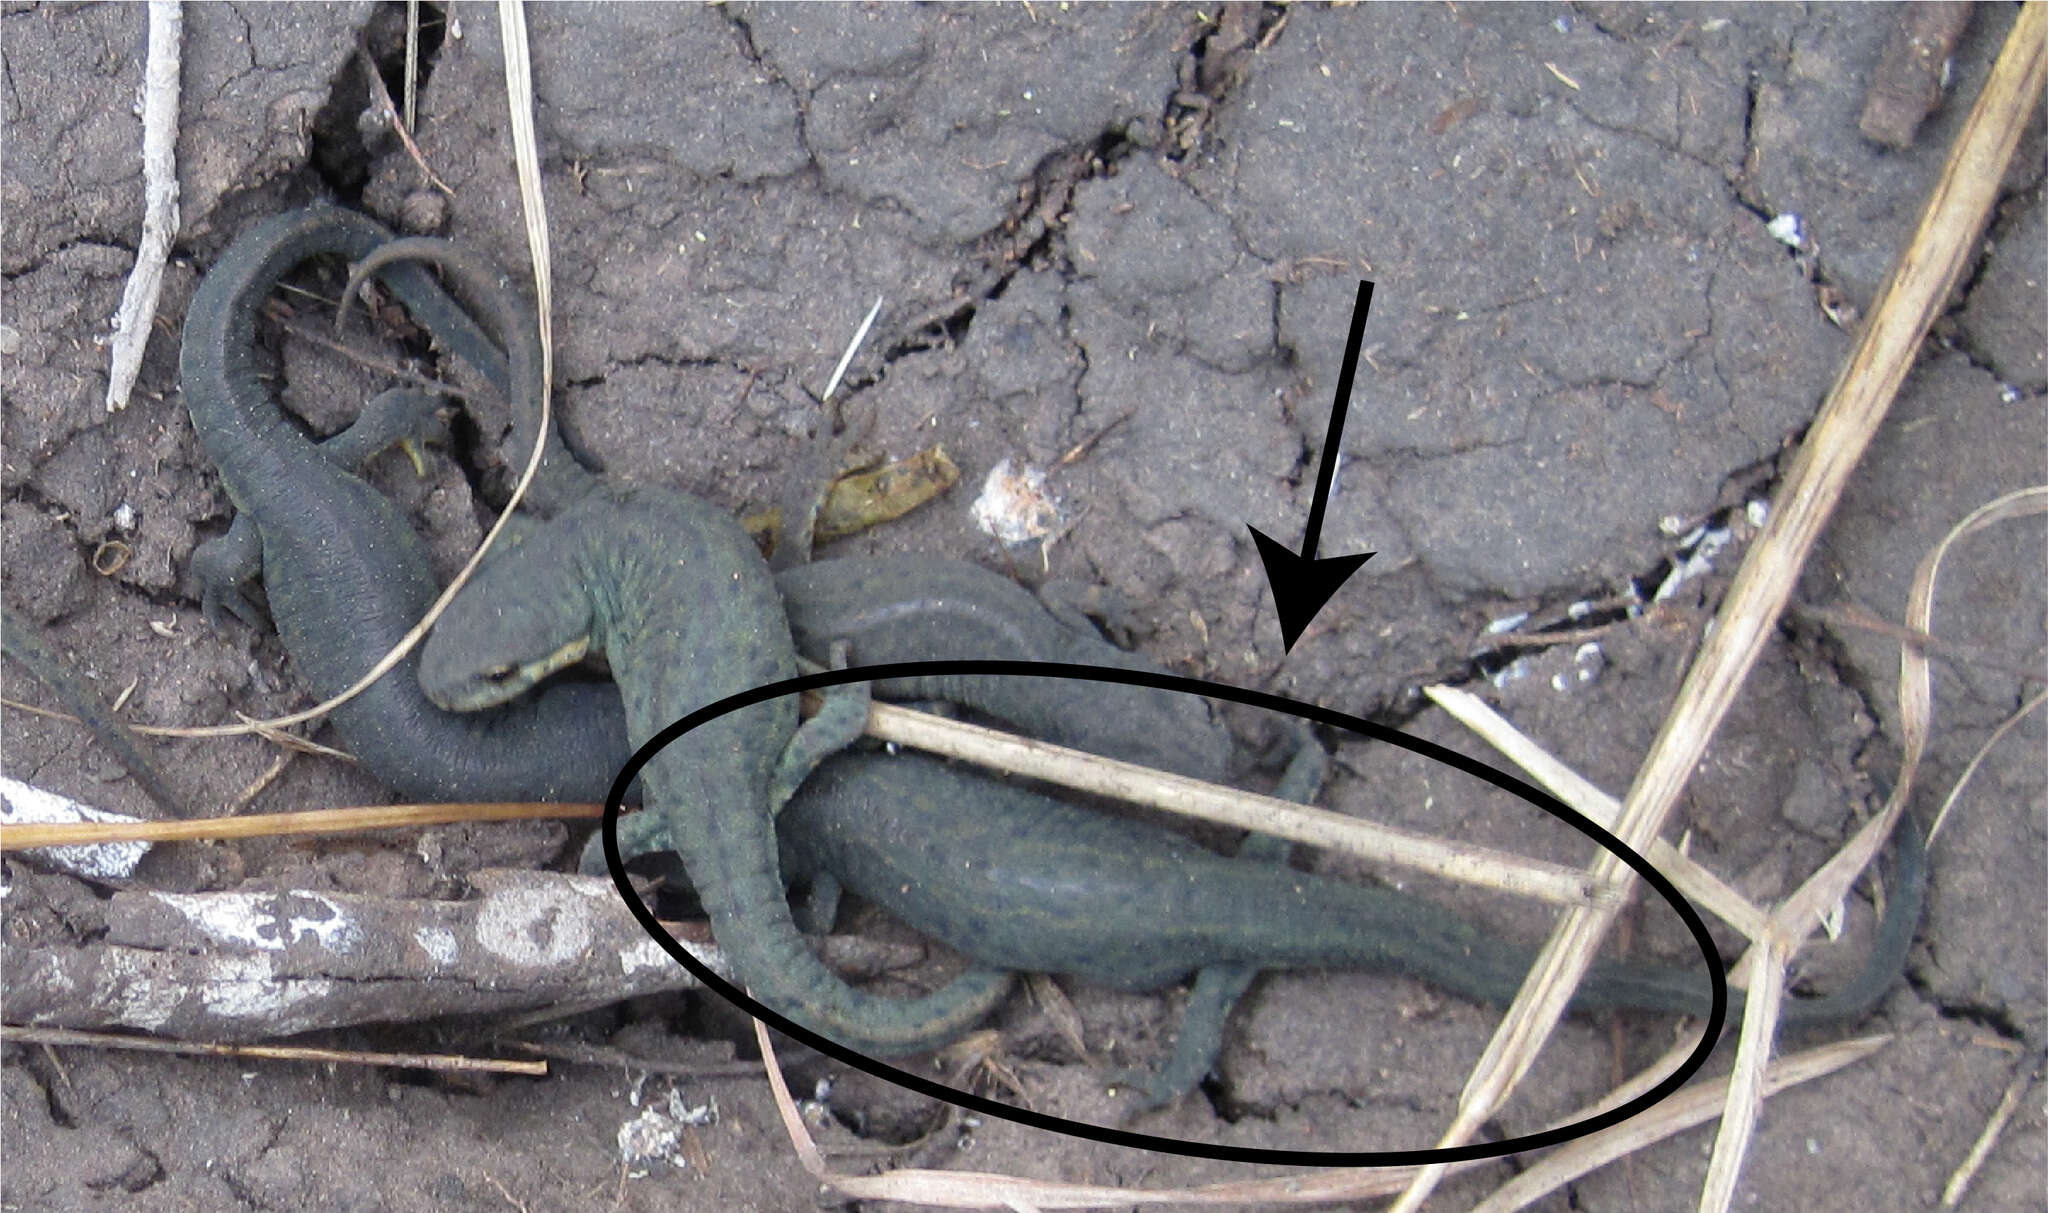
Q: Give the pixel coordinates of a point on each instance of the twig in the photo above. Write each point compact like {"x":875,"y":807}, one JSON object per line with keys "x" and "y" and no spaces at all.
{"x":269,"y":776}
{"x":20,"y":641}
{"x":1958,"y":1183}
{"x":137,"y":315}
{"x":402,"y":125}
{"x":1080,"y":450}
{"x":852,"y":347}
{"x":145,"y":1044}
{"x":315,"y":335}
{"x":606,"y":1055}
{"x":412,"y":63}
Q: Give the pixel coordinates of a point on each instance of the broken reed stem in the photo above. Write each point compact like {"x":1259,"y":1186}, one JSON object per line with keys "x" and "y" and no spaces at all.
{"x":1910,"y":298}
{"x":259,"y":825}
{"x":1560,"y":884}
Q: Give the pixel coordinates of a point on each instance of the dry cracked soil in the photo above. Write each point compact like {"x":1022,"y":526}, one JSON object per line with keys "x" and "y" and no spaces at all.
{"x":1132,"y":232}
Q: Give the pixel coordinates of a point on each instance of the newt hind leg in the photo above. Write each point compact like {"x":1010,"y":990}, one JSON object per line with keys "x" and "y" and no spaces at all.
{"x":1218,"y":988}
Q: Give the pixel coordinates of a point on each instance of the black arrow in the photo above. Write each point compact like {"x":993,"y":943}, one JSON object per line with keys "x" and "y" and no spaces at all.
{"x":1302,"y":584}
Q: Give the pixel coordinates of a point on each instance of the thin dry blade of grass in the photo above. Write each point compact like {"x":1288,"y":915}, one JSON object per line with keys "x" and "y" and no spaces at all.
{"x":987,"y":1190}
{"x":1916,"y":675}
{"x":1693,"y":1106}
{"x":1765,"y":976}
{"x":2029,"y":1072}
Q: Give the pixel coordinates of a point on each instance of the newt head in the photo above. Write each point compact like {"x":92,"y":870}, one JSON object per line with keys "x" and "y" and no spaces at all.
{"x":522,"y":618}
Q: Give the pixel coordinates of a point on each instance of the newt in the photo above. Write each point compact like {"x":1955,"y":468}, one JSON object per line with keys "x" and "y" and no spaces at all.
{"x":887,"y":608}
{"x":1025,"y":881}
{"x":925,"y":608}
{"x":345,"y":575}
{"x":673,"y":594}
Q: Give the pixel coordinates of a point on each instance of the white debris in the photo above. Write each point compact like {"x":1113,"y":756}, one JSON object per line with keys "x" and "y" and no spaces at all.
{"x":537,"y":928}
{"x":656,"y":1135}
{"x":1513,"y":671}
{"x":1758,"y":512}
{"x":650,"y":1137}
{"x":1788,"y":230}
{"x":439,"y":944}
{"x":1699,"y":563}
{"x":21,"y":804}
{"x":1507,"y":623}
{"x":1015,"y":506}
{"x":1672,"y":525}
{"x":1587,"y":664}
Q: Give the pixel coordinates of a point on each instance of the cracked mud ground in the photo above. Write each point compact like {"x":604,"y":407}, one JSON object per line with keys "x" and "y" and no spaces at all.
{"x":1144,"y":223}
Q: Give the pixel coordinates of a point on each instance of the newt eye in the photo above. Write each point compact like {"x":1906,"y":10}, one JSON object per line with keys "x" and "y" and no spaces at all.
{"x":500,"y":674}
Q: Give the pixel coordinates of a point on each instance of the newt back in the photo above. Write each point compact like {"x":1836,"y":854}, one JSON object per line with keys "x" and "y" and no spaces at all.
{"x":1015,"y":878}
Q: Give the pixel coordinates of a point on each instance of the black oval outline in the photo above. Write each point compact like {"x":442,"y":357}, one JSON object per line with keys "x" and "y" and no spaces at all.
{"x":1709,"y":1039}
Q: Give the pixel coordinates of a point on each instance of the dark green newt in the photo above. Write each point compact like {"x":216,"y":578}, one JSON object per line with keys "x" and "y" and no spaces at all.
{"x":674,"y":595}
{"x":1013,"y":878}
{"x":924,"y":608}
{"x":920,"y":608}
{"x":831,"y":820}
{"x":886,"y":608}
{"x":345,"y":575}
{"x":680,"y":603}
